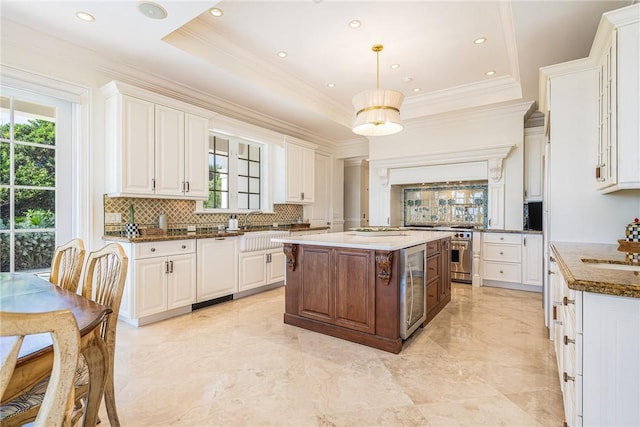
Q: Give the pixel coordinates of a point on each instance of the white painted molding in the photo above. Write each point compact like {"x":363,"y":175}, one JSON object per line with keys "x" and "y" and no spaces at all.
{"x":383,"y":176}
{"x":355,"y":148}
{"x":233,"y":127}
{"x":292,"y":140}
{"x":495,"y":168}
{"x":470,"y":155}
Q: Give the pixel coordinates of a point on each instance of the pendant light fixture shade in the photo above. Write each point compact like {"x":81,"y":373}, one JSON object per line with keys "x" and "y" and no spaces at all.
{"x":377,"y":110}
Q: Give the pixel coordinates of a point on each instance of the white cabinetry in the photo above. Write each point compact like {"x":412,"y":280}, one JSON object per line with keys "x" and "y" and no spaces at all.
{"x":294,"y":174}
{"x":260,"y":268}
{"x":512,"y":259}
{"x":597,"y":347}
{"x":155,"y":146}
{"x":161,"y":280}
{"x":615,"y":49}
{"x":533,"y":163}
{"x":319,"y":212}
{"x":217,"y":268}
{"x":496,"y":205}
{"x":532,"y":256}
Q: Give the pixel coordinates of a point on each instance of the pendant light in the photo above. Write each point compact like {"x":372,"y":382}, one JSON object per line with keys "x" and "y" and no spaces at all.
{"x":377,"y":110}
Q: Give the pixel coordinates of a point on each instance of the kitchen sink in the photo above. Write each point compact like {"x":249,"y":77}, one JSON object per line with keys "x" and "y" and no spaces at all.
{"x":610,"y":266}
{"x":259,"y":240}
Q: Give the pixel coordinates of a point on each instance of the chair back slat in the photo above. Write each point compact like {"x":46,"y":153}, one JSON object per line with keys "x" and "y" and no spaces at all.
{"x":66,"y":266}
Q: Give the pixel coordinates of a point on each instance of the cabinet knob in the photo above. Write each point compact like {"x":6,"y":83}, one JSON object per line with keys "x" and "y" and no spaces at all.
{"x":502,"y":238}
{"x":567,"y":301}
{"x":501,"y":272}
{"x":184,"y":246}
{"x":501,"y":253}
{"x":567,"y":340}
{"x":153,"y":249}
{"x":551,"y":272}
{"x":566,"y":377}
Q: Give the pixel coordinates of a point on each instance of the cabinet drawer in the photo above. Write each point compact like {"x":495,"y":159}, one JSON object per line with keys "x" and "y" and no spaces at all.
{"x":433,"y":248}
{"x":154,"y":249}
{"x":502,"y":271}
{"x":501,"y":238}
{"x":433,"y":267}
{"x":432,"y":295}
{"x":503,"y":253}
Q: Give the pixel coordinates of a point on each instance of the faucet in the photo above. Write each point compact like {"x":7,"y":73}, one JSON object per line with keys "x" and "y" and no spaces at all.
{"x":246,"y":219}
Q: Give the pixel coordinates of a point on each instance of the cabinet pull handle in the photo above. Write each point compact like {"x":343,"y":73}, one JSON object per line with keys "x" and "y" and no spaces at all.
{"x":171,"y":264}
{"x":166,"y":267}
{"x":152,"y":249}
{"x":183,"y":187}
{"x":555,"y":313}
{"x":568,"y":341}
{"x":302,"y":196}
{"x":567,"y":301}
{"x":188,"y":186}
{"x":525,"y":241}
{"x":566,"y":377}
{"x":153,"y":184}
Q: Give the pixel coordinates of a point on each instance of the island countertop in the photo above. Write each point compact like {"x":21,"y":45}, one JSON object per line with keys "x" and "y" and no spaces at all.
{"x":597,"y":268}
{"x":351,"y":239}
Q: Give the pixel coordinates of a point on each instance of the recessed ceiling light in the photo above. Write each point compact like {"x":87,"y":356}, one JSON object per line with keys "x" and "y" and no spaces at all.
{"x":490,"y":73}
{"x":355,"y":24}
{"x":395,"y":66}
{"x":152,"y":10}
{"x":417,"y":89}
{"x":331,"y":85}
{"x":85,"y":16}
{"x":282,"y":54}
{"x":480,"y":40}
{"x":216,"y":12}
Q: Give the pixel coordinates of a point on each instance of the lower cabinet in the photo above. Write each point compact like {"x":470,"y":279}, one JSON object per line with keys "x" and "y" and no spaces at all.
{"x":512,"y":259}
{"x":597,"y":347}
{"x":438,"y":276}
{"x":260,"y":268}
{"x":217,"y":268}
{"x":161,"y":279}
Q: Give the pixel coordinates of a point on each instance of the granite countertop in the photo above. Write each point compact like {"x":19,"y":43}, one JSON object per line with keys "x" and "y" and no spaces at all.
{"x":183,"y":235}
{"x":577,"y":263}
{"x":475,"y":230}
{"x":381,"y":241}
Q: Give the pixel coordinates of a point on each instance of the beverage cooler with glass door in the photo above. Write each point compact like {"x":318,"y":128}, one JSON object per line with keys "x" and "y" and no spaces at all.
{"x":413,"y":302}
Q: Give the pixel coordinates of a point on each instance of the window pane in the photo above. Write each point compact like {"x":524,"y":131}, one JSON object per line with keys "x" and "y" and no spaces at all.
{"x":5,"y":252}
{"x":254,"y":201}
{"x":254,"y":153}
{"x":35,"y":166}
{"x":35,"y":208}
{"x":221,"y":164}
{"x":221,"y":146}
{"x":34,"y":250}
{"x":243,"y":167}
{"x":254,"y":169}
{"x":34,"y":123}
{"x":4,"y":163}
{"x":243,"y":201}
{"x":254,"y":185}
{"x":243,"y":185}
{"x":4,"y":208}
{"x":224,"y":183}
{"x":243,"y":151}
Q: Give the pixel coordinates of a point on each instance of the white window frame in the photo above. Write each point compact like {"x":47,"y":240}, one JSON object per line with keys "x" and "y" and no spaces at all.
{"x":265,"y":200}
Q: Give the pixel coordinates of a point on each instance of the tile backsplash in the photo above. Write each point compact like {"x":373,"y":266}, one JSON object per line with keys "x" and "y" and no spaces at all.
{"x":181,"y":213}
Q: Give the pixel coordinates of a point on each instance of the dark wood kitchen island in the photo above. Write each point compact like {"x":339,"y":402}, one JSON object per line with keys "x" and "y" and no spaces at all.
{"x":347,"y":285}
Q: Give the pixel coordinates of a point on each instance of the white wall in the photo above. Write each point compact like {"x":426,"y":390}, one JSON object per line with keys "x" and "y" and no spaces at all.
{"x":578,"y":212}
{"x":452,"y":136}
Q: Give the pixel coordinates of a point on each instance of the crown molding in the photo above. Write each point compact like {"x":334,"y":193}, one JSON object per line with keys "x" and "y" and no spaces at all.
{"x":493,"y":153}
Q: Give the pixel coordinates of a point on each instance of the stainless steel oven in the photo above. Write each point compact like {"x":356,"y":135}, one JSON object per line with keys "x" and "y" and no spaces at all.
{"x":461,"y":257}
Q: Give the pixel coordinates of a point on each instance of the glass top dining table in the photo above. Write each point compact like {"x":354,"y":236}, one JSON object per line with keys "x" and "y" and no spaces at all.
{"x":28,"y":293}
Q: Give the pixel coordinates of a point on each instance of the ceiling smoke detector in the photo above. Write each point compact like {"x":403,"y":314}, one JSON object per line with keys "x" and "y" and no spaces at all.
{"x":152,"y":10}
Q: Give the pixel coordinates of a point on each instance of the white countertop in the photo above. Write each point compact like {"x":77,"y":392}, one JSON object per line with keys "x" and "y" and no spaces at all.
{"x":350,"y":239}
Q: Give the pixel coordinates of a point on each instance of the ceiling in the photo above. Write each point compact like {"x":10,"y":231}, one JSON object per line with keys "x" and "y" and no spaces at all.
{"x":230,"y":63}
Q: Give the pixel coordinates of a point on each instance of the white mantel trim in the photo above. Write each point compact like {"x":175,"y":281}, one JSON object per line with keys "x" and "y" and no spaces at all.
{"x":494,"y":153}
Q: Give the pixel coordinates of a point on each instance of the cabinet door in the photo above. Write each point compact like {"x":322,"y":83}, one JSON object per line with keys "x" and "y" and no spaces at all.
{"x":169,"y":151}
{"x":293,"y":155}
{"x":445,"y":270}
{"x":150,"y":283}
{"x":181,"y":281}
{"x":196,"y":165}
{"x":252,"y":270}
{"x":533,"y":163}
{"x":276,"y":267}
{"x":138,"y":142}
{"x":532,"y":260}
{"x":354,"y":292}
{"x":319,"y":212}
{"x":496,"y":206}
{"x":307,"y":175}
{"x":217,"y":268}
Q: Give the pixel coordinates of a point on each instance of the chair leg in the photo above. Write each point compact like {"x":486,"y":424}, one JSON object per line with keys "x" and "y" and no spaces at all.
{"x":110,"y":401}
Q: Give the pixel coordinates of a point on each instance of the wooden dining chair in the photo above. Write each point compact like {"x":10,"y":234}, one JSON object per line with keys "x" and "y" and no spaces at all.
{"x":67,"y":263}
{"x":103,"y":282}
{"x":54,"y":396}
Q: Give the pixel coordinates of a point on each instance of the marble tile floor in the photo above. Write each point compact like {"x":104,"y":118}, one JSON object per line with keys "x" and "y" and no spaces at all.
{"x":484,"y":360}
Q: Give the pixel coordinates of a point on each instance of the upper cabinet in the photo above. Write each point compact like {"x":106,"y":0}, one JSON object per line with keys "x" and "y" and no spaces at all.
{"x":616,"y":52}
{"x":533,"y":163}
{"x":294,"y":173}
{"x":156,"y":147}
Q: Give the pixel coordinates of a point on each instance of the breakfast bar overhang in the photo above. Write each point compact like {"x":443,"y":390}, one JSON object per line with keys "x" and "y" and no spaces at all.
{"x":354,"y":285}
